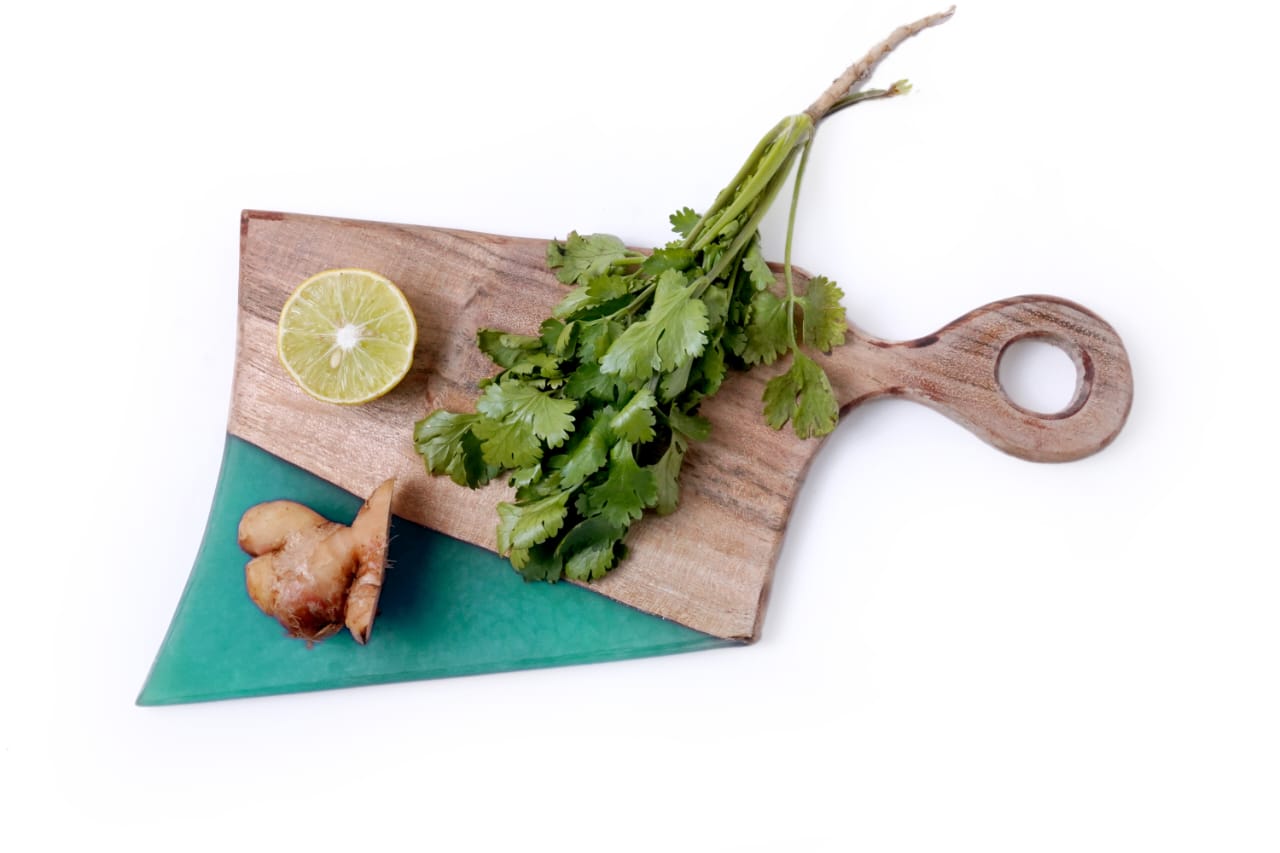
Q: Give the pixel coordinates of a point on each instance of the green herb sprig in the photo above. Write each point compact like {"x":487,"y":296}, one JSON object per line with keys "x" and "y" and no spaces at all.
{"x":590,"y":419}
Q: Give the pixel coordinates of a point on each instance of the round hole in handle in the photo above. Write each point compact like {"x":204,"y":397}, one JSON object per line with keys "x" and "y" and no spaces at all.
{"x":1044,"y":375}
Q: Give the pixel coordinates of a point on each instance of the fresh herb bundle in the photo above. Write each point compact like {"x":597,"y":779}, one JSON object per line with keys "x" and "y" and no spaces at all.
{"x":590,"y":419}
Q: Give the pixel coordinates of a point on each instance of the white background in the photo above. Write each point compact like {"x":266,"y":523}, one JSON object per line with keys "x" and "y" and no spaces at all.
{"x":963,"y":652}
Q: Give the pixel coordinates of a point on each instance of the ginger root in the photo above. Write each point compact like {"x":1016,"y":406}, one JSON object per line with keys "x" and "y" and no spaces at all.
{"x":314,"y":575}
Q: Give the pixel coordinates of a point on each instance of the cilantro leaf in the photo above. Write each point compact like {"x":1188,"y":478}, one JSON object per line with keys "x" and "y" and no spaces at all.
{"x":584,"y":258}
{"x":595,"y":559}
{"x":683,"y":221}
{"x":555,"y":254}
{"x":629,"y":489}
{"x":574,"y":302}
{"x":539,"y":563}
{"x":524,"y":477}
{"x":768,"y":334}
{"x":634,"y":423}
{"x":761,"y":275}
{"x":595,"y":338}
{"x":589,"y":381}
{"x":538,"y":365}
{"x":448,"y":446}
{"x":507,"y":444}
{"x":710,"y":371}
{"x":555,"y":334}
{"x":717,"y":302}
{"x":673,"y":332}
{"x":803,"y":396}
{"x":823,"y":323}
{"x":588,"y":452}
{"x":666,"y":472}
{"x":695,"y":427}
{"x":504,"y":348}
{"x":674,"y":383}
{"x":523,"y":525}
{"x":669,"y":258}
{"x":591,"y":548}
{"x":603,"y":291}
{"x":548,"y":417}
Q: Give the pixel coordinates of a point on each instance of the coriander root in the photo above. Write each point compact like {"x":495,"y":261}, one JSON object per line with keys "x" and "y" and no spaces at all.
{"x":314,"y":575}
{"x":843,"y":85}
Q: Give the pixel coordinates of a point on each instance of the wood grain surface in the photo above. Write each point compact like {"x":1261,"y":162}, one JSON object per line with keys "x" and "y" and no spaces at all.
{"x":707,"y":566}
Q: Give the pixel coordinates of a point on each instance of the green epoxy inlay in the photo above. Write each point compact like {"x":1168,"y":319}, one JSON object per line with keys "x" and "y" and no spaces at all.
{"x":448,"y":608}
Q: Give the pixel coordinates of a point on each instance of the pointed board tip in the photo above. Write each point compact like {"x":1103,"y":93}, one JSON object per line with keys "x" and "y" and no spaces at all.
{"x":453,"y":609}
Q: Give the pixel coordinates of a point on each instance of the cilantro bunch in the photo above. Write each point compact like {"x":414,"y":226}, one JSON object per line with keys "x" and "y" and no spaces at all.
{"x":590,"y":419}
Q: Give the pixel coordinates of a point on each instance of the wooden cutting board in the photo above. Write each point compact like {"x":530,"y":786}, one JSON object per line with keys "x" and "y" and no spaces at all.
{"x":709,"y":565}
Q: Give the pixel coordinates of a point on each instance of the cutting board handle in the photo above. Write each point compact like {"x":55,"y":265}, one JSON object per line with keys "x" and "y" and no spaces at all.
{"x":955,"y":371}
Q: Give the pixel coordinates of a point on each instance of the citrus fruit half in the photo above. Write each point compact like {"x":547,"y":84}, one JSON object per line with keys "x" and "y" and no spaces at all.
{"x":347,"y":336}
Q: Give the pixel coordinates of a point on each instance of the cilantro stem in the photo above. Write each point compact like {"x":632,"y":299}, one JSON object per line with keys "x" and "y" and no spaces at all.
{"x":636,"y":304}
{"x":901,"y":87}
{"x":797,"y":129}
{"x":748,"y":168}
{"x":791,"y":227}
{"x":860,"y":70}
{"x":747,"y":232}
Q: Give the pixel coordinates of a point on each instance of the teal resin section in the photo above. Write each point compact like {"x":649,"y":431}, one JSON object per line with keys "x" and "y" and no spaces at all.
{"x":448,"y":608}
